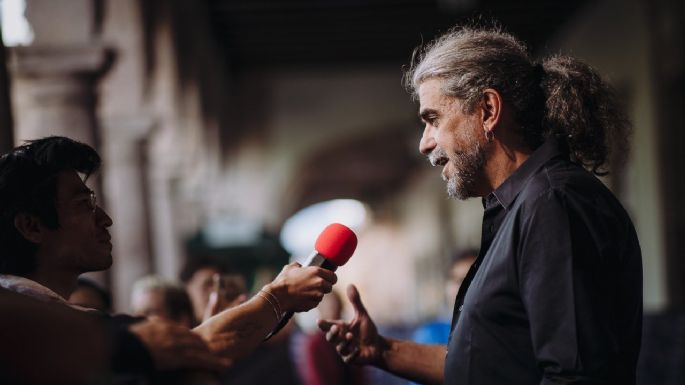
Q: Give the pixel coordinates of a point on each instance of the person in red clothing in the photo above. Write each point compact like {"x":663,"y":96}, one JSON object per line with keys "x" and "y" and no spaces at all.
{"x":324,"y":365}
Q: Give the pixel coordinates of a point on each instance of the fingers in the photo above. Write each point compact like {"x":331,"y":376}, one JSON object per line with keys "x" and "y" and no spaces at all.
{"x":173,"y":346}
{"x":324,"y":325}
{"x":351,"y":353}
{"x":351,"y":356}
{"x":301,"y":288}
{"x":346,"y":345}
{"x":336,"y":333}
{"x":212,"y":307}
{"x":328,"y":275}
{"x":193,"y":351}
{"x":324,"y":287}
{"x":216,"y":283}
{"x":182,"y":337}
{"x":356,"y":301}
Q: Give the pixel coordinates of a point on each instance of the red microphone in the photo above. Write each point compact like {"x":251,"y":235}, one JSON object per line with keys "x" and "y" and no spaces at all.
{"x":333,"y":248}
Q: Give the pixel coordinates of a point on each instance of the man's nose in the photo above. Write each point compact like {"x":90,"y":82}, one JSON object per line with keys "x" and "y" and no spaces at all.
{"x":427,"y":143}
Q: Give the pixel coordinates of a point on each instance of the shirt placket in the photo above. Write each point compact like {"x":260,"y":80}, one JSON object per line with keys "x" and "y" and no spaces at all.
{"x":491,"y":221}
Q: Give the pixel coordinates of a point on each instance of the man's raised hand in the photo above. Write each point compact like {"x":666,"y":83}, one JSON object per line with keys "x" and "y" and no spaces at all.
{"x":357,"y":341}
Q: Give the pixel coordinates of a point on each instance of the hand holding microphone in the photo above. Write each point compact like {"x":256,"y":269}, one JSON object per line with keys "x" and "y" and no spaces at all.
{"x":236,"y":332}
{"x":298,"y":288}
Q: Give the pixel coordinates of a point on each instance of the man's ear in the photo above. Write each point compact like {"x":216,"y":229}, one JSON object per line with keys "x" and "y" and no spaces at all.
{"x":29,"y":226}
{"x":491,"y":107}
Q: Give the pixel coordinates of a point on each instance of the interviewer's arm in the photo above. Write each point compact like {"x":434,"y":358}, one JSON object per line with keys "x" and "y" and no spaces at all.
{"x":238,"y":331}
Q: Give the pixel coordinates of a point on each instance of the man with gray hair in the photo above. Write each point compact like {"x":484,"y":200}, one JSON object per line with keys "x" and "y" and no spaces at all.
{"x":555,"y":294}
{"x":156,"y":296}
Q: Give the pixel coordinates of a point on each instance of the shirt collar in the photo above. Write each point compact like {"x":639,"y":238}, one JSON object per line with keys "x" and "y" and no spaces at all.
{"x":507,"y":191}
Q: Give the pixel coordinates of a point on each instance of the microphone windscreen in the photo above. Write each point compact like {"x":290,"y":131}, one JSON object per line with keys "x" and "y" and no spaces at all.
{"x":336,"y":243}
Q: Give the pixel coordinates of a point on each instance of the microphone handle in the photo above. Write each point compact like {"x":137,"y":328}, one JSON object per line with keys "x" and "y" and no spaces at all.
{"x":314,"y":259}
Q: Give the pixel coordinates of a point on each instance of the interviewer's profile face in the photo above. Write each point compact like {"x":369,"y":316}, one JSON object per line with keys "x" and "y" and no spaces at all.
{"x":81,"y":242}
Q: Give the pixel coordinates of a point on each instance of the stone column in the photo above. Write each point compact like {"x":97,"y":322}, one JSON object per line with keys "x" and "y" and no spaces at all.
{"x":54,"y":91}
{"x":124,"y":154}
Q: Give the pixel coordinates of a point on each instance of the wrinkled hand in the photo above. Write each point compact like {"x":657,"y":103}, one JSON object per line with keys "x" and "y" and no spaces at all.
{"x":356,"y":341}
{"x":300,"y":288}
{"x":176,"y":347}
{"x":217,"y":299}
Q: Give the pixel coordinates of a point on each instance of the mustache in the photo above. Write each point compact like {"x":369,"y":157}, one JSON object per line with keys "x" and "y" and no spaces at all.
{"x":438,"y":157}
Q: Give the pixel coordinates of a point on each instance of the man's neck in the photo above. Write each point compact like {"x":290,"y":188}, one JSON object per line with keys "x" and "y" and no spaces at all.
{"x":62,"y":283}
{"x":503,"y":161}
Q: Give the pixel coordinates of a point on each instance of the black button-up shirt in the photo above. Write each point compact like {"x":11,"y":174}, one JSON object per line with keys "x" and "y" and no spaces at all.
{"x":555,"y":295}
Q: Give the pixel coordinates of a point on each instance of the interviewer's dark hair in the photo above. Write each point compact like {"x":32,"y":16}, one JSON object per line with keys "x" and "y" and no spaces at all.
{"x":559,"y":96}
{"x":28,"y":176}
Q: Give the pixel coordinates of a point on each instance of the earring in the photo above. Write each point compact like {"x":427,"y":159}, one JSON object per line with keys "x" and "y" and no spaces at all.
{"x":489,"y":135}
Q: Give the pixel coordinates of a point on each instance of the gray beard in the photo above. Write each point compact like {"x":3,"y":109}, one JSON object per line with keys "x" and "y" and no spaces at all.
{"x":466,"y":167}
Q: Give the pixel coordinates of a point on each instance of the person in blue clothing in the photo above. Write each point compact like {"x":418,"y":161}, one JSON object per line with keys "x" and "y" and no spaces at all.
{"x":437,"y":331}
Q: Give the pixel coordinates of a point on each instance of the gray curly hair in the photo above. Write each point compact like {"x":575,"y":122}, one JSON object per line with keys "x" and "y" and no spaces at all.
{"x":558,"y":96}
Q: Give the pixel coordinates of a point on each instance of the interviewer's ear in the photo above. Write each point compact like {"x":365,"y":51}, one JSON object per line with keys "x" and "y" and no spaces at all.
{"x":491,"y":107}
{"x":29,"y":226}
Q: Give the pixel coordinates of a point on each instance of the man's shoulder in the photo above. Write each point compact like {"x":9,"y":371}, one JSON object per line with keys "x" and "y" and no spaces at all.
{"x":565,"y":188}
{"x":564,"y":179}
{"x":567,"y":184}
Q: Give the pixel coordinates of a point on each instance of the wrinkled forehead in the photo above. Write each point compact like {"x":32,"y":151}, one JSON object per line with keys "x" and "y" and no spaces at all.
{"x":430,"y":89}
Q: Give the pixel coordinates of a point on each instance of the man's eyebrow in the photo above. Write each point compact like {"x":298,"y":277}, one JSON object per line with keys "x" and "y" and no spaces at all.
{"x":423,"y":114}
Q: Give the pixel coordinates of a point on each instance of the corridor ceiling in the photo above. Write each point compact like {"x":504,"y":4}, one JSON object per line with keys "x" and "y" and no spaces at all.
{"x":304,"y":33}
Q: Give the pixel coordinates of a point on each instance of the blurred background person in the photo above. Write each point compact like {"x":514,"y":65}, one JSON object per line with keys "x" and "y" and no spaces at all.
{"x":210,"y":288}
{"x":198,"y":276}
{"x":154,"y":296}
{"x":437,"y":331}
